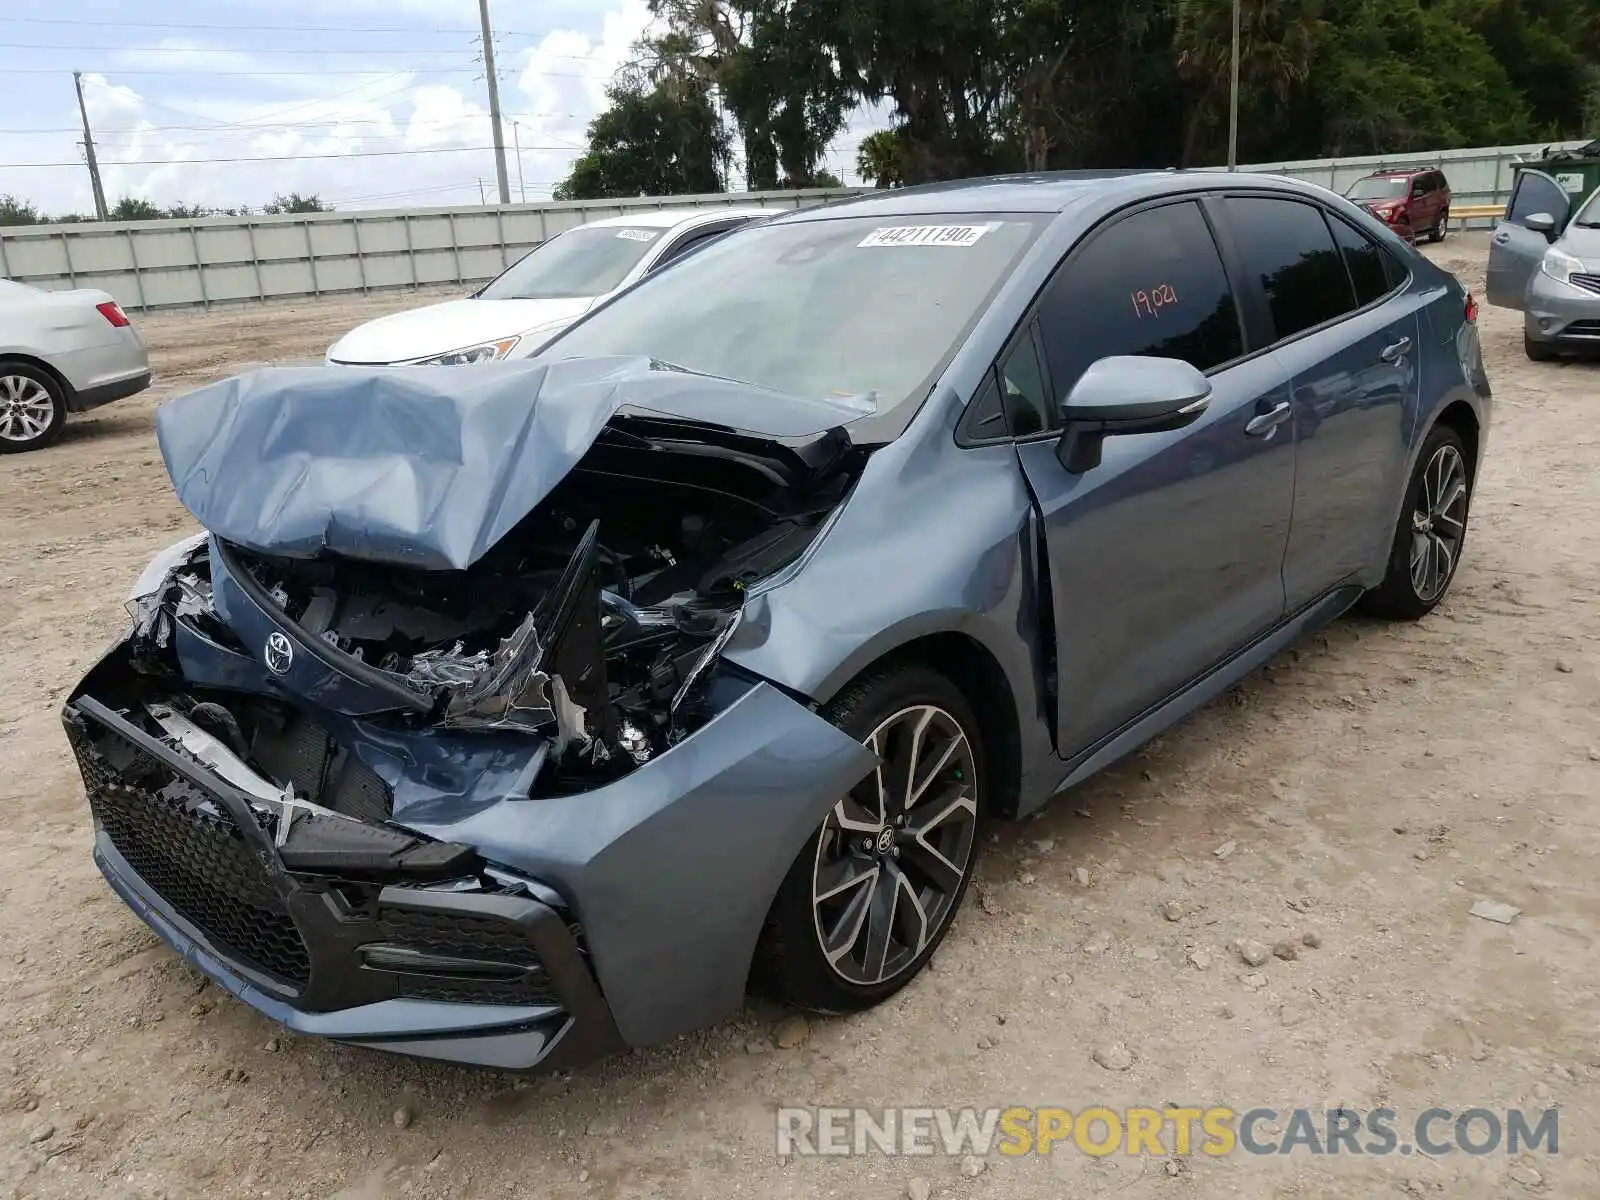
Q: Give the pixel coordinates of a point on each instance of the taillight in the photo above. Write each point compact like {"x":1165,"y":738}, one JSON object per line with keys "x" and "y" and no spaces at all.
{"x":1472,"y":309}
{"x":112,"y":311}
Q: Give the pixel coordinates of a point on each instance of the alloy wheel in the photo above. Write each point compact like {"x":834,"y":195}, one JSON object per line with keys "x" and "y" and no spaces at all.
{"x":26,"y":408}
{"x":893,"y":854}
{"x":1438,"y":523}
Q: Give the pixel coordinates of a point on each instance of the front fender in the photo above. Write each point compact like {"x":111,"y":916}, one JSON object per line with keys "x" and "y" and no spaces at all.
{"x":671,"y":869}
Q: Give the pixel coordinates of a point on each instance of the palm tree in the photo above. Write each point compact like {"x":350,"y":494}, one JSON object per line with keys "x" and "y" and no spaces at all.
{"x":1277,"y":42}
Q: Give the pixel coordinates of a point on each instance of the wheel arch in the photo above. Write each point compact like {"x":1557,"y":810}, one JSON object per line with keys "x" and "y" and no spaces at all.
{"x":973,"y":668}
{"x":1459,"y":417}
{"x":68,"y":392}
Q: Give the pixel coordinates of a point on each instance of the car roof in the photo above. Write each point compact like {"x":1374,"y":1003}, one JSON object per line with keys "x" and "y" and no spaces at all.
{"x":1045,"y":192}
{"x":667,"y":218}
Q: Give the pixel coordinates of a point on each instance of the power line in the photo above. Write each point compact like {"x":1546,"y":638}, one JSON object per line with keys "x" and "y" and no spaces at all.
{"x":246,"y":130}
{"x":183,"y":162}
{"x":252,"y":73}
{"x":412,"y":29}
{"x":261,"y":51}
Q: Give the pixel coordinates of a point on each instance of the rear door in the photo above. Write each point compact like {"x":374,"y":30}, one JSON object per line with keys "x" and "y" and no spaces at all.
{"x":1167,"y":557}
{"x":1340,"y":319}
{"x":1515,"y":251}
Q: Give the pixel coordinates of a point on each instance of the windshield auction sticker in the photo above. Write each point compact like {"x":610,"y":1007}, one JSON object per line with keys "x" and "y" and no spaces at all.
{"x":925,"y":235}
{"x":637,"y":235}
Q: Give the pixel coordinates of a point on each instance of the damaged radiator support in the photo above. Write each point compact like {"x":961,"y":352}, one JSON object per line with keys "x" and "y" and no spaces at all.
{"x":551,"y":674}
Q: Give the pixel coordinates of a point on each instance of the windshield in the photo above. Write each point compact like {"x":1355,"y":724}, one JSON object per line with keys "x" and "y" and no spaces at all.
{"x":1379,"y":189}
{"x":864,"y":307}
{"x":588,"y":261}
{"x":1589,"y":215}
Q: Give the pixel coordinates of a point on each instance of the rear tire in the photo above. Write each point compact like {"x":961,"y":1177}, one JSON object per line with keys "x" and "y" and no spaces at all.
{"x":1538,"y":351}
{"x":1430,"y":534}
{"x":1442,"y":228}
{"x":33,"y":407}
{"x":874,"y":890}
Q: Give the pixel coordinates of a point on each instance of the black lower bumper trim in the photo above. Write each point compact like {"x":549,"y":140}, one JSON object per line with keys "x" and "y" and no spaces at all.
{"x":94,"y":397}
{"x":329,"y":941}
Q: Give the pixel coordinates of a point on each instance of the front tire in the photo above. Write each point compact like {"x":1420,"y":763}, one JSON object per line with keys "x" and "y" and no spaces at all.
{"x":874,"y":890}
{"x":1431,"y":533}
{"x":33,"y":407}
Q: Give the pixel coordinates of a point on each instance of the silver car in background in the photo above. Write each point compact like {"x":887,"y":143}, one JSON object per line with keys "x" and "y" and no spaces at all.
{"x":516,"y":314}
{"x":1544,"y":260}
{"x":61,"y":352}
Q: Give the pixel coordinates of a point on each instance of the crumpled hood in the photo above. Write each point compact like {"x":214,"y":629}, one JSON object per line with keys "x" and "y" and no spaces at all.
{"x":456,"y":325}
{"x":427,"y":467}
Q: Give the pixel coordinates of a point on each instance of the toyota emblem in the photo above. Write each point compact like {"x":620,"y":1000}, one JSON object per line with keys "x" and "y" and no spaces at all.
{"x":279,"y":654}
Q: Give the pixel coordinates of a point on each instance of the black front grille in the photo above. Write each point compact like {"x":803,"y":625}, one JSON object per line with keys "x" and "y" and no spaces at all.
{"x":191,"y":854}
{"x":470,"y":936}
{"x":1589,"y":283}
{"x":1582,"y":329}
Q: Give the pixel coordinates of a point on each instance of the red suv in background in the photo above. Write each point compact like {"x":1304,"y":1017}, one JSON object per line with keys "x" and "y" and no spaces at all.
{"x":1412,"y":203}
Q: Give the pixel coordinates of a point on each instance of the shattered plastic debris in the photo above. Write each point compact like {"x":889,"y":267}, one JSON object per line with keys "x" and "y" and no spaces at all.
{"x":505,"y":690}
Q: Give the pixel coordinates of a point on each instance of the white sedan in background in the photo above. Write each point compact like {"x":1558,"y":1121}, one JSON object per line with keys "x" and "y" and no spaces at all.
{"x":517,"y":313}
{"x":61,"y":352}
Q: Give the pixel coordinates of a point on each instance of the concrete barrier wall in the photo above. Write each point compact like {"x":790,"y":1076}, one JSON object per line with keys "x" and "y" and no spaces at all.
{"x":218,"y":260}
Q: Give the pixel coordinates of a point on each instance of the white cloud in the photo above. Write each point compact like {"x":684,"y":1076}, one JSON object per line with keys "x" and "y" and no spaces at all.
{"x":159,"y":135}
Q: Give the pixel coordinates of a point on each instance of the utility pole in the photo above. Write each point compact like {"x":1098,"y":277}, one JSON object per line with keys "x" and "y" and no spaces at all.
{"x":482,"y":199}
{"x":1233,"y":96}
{"x":494,"y":103}
{"x":516,"y":137}
{"x":88,"y":152}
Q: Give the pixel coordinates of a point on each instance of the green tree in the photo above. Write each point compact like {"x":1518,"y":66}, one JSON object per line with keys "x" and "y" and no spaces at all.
{"x":294,"y":202}
{"x":1277,"y":45}
{"x":878,"y":158}
{"x":14,"y":210}
{"x":135,"y":208}
{"x":653,"y":140}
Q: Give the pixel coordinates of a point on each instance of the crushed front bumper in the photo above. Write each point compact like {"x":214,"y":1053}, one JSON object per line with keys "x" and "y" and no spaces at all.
{"x":495,"y":978}
{"x":628,"y":914}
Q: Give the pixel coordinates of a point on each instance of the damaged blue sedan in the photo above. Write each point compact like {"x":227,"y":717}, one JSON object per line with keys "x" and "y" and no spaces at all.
{"x":518,"y":713}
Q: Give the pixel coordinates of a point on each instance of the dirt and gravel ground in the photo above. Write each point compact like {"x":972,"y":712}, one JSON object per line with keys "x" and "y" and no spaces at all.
{"x":1372,"y":784}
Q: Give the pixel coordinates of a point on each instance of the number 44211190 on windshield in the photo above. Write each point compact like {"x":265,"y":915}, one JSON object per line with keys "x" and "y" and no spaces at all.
{"x":1150,"y":303}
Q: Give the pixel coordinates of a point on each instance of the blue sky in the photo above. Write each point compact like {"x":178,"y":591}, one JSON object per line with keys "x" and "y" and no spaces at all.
{"x":179,"y":90}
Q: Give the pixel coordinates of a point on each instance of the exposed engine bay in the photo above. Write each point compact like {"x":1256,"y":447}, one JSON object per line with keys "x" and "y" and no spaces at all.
{"x":594,"y":622}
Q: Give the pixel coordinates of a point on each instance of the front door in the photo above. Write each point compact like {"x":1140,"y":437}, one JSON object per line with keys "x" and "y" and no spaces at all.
{"x":1515,"y":251}
{"x":1167,"y":557}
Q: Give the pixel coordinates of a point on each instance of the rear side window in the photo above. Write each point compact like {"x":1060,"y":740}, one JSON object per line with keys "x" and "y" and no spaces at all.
{"x":1149,"y":284}
{"x":1287,"y":249}
{"x":1364,"y":260}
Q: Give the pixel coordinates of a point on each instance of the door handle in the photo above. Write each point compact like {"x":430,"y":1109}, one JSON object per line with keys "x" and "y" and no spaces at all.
{"x":1396,"y":352}
{"x":1502,"y":239}
{"x":1265,"y":423}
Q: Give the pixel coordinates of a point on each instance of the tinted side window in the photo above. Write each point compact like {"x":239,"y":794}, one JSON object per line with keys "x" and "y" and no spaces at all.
{"x":1027,"y":399}
{"x":1535,"y":194}
{"x":687,"y":244}
{"x":1287,"y":248}
{"x":1364,"y":260}
{"x":985,"y":418}
{"x":1149,"y":284}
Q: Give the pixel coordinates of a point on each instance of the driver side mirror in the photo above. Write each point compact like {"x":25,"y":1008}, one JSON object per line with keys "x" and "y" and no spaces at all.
{"x":1125,"y":394}
{"x":1541,"y":222}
